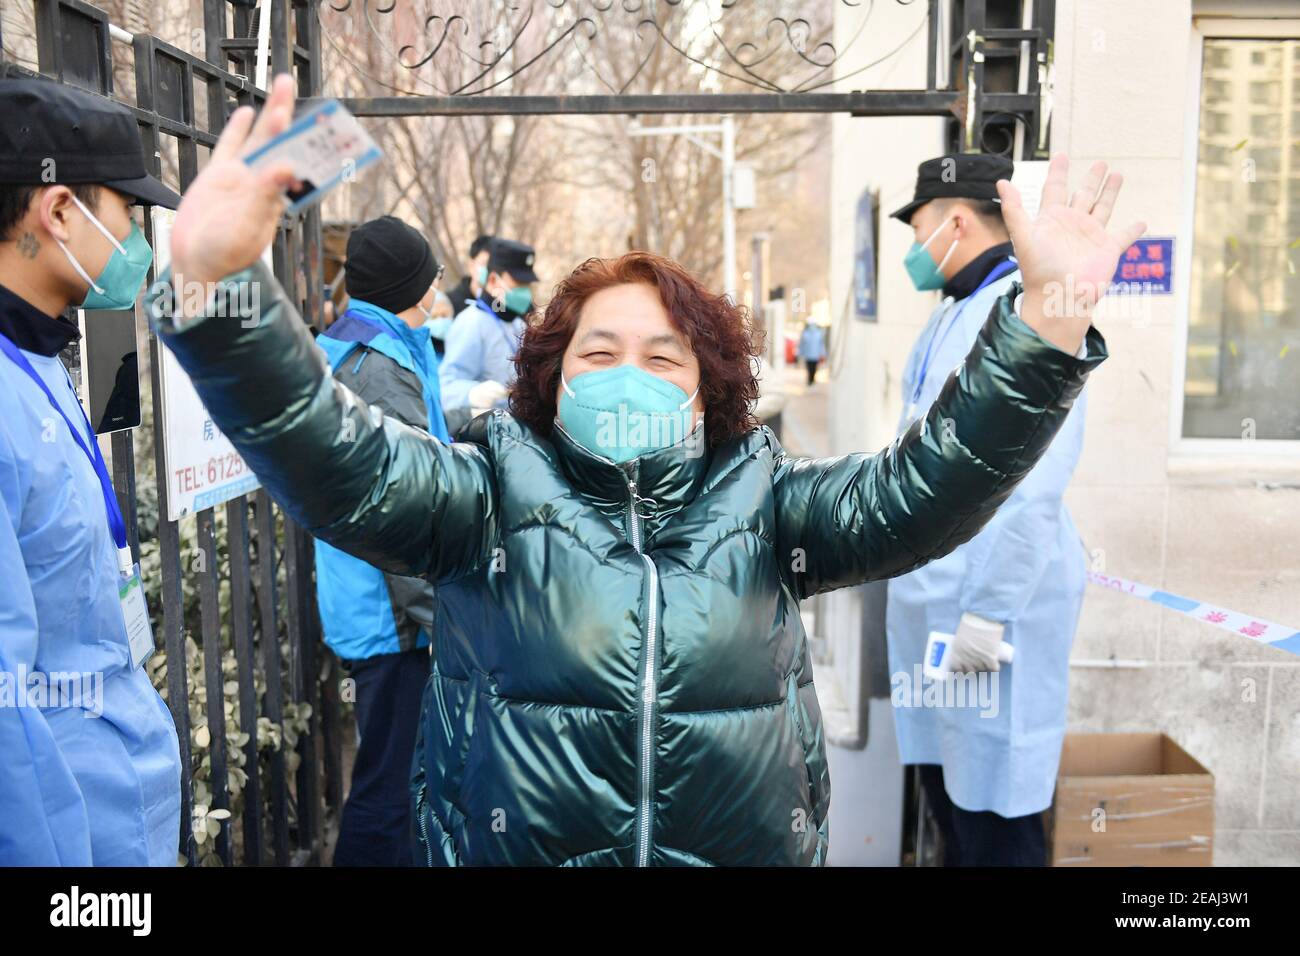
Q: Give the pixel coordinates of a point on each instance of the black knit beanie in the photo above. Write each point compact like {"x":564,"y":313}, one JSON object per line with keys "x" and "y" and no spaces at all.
{"x":389,"y":264}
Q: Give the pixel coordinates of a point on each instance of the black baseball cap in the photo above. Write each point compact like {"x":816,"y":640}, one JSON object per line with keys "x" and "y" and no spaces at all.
{"x":506,"y":255}
{"x":54,"y":133}
{"x":956,"y":176}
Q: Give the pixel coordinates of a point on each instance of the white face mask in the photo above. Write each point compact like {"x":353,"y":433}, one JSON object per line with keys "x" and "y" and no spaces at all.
{"x":427,"y":313}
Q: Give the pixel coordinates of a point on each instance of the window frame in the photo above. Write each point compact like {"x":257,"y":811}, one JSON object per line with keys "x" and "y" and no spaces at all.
{"x":1181,"y":448}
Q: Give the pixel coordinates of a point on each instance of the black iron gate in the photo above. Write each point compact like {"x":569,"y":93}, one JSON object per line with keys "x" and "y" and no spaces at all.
{"x":181,"y":100}
{"x":981,"y":47}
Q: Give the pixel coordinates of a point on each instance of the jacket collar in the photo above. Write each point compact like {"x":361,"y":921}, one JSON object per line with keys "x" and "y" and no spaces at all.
{"x":670,"y":477}
{"x":388,"y":321}
{"x":31,"y":329}
{"x":414,"y":350}
{"x":485,"y":302}
{"x":974,"y":272}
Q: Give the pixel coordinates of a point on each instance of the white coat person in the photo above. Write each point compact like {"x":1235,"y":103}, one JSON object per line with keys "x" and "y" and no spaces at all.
{"x":989,"y":742}
{"x":90,"y":767}
{"x":478,"y":363}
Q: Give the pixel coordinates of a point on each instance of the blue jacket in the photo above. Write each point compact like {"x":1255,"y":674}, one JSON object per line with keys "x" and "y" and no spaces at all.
{"x":812,"y":343}
{"x":1000,"y":746}
{"x":93,"y":777}
{"x":365,"y":612}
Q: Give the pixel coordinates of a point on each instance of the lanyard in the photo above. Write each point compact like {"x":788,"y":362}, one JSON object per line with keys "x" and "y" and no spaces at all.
{"x":115,"y":521}
{"x":1010,"y":265}
{"x":511,"y":343}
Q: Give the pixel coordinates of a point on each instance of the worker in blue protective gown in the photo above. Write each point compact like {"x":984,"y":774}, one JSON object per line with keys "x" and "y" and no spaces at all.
{"x":988,"y":755}
{"x":89,"y":758}
{"x":478,"y":365}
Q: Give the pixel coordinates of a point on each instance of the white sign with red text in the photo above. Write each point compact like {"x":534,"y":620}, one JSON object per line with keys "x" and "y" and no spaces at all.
{"x":203,"y":468}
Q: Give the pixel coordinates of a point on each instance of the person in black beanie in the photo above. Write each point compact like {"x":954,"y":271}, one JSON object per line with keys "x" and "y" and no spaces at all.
{"x":389,"y":264}
{"x":380,"y":625}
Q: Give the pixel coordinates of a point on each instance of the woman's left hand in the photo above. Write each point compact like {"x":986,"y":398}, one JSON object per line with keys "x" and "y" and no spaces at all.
{"x":1067,"y":257}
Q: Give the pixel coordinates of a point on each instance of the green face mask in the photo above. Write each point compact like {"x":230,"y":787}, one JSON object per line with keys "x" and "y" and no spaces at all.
{"x":119,"y":282}
{"x":518,"y":300}
{"x":920,"y":265}
{"x":624,"y":412}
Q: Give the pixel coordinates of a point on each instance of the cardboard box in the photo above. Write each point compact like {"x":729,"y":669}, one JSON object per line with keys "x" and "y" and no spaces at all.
{"x":1131,"y":800}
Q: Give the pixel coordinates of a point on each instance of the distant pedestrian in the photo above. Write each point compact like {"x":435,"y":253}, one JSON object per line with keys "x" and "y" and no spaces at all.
{"x":812,"y":348}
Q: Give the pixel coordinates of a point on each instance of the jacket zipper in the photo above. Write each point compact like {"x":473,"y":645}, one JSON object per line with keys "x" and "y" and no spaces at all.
{"x":424,"y":829}
{"x":649,"y":686}
{"x":649,"y":675}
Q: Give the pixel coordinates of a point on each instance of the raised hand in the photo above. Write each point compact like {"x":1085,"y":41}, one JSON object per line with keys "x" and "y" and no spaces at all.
{"x":1067,"y":257}
{"x":229,"y":214}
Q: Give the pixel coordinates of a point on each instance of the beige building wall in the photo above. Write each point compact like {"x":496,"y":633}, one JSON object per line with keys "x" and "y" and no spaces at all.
{"x":1219,"y":521}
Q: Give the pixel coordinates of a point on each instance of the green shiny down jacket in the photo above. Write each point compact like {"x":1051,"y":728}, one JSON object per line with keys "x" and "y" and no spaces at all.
{"x":621,"y":674}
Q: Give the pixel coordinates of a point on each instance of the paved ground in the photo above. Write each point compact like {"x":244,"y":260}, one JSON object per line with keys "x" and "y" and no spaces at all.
{"x":804,"y":427}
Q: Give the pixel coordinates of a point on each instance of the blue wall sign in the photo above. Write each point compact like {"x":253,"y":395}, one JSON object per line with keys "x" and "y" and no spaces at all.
{"x":1146,"y":266}
{"x":864,"y":258}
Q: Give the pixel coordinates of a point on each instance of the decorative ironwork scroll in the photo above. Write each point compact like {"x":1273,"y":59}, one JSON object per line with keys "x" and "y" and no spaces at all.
{"x":471,"y":47}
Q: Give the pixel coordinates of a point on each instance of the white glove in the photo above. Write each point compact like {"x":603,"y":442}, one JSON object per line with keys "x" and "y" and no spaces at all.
{"x":976,"y":644}
{"x":486,"y":395}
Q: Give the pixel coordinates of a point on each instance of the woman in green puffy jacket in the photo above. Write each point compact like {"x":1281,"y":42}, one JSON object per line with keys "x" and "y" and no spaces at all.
{"x":620,"y":673}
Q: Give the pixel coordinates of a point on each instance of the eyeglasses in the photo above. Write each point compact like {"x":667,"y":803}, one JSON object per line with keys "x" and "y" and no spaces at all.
{"x":437,"y":276}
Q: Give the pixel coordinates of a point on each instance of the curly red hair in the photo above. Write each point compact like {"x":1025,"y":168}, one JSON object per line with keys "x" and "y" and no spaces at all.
{"x":718,"y":332}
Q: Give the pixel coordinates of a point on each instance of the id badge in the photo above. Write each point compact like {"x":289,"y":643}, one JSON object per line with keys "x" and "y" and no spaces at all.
{"x":135,"y":614}
{"x":326,"y":145}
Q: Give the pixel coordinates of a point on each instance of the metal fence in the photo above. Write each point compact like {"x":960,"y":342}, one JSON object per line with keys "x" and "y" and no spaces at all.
{"x":181,"y":101}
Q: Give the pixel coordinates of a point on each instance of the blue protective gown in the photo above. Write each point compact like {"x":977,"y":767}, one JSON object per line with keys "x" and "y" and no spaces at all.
{"x":1026,"y":570}
{"x":481,"y":347}
{"x":76,"y":788}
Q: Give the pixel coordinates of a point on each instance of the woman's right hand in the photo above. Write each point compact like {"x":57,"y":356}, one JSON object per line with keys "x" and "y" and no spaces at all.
{"x":230,"y":212}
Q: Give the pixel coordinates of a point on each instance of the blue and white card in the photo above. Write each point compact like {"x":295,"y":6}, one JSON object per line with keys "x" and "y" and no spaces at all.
{"x":326,"y":145}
